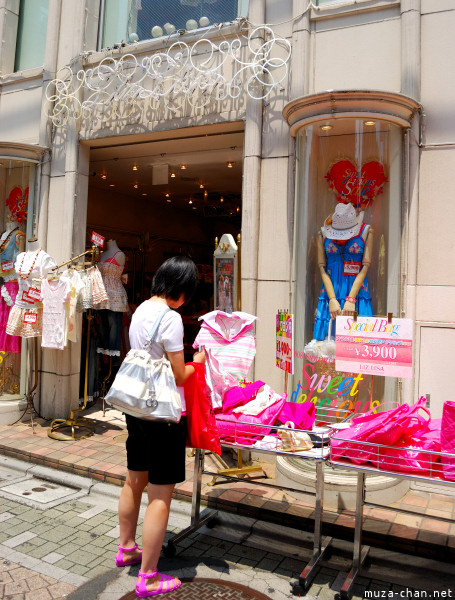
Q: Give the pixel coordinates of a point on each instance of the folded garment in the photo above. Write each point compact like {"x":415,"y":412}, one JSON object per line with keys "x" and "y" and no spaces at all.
{"x":267,"y":397}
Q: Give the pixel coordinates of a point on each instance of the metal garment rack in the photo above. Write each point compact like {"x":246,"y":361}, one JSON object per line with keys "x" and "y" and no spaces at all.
{"x":360,"y":551}
{"x":198,"y":518}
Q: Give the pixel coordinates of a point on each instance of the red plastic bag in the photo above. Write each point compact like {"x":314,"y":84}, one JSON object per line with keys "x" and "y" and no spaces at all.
{"x":202,"y":428}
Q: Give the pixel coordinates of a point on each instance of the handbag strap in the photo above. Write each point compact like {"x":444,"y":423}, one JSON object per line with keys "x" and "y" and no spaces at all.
{"x":153,"y":333}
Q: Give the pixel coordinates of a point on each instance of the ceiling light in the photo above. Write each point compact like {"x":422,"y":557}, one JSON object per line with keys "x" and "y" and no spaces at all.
{"x":168,"y":200}
{"x":103,"y":176}
{"x":144,"y":194}
{"x":238,"y":208}
{"x":205,"y":193}
{"x":183,"y":167}
{"x":370,"y":123}
{"x":326,"y":127}
{"x":230,"y":165}
{"x":135,"y":186}
{"x":172,"y":173}
{"x":134,"y":167}
{"x":190,"y":202}
{"x":221,"y":199}
{"x":201,"y":186}
{"x":112,"y":185}
{"x":167,"y":195}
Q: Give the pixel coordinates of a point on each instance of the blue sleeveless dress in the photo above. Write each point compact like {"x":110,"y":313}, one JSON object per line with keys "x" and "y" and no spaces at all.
{"x":343,"y":257}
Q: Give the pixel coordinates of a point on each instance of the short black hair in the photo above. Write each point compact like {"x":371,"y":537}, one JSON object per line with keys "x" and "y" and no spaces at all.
{"x":176,"y":276}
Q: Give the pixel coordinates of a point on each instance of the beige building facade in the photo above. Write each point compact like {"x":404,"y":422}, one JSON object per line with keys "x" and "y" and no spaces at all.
{"x":338,"y":65}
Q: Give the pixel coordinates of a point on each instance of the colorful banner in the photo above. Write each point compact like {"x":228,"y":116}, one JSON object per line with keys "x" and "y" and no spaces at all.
{"x":373,"y":346}
{"x":285,"y":342}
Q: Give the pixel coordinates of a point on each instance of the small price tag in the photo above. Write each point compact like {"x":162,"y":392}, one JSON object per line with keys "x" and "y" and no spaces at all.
{"x":97,"y":239}
{"x":7,"y":266}
{"x":30,"y":318}
{"x":351,"y":268}
{"x":26,"y":298}
{"x":34,"y":294}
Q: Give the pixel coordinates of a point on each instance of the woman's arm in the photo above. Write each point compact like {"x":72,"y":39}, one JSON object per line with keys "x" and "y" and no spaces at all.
{"x":180,"y":370}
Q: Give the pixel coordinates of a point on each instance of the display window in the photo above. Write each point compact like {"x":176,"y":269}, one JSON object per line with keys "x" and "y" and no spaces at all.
{"x":16,"y":178}
{"x":347,"y":251}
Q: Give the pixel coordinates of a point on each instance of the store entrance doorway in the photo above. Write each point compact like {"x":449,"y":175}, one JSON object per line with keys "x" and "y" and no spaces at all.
{"x":160,"y":195}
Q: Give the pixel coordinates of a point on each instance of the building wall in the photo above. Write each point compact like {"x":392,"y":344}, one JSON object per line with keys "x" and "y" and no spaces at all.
{"x":366,"y":46}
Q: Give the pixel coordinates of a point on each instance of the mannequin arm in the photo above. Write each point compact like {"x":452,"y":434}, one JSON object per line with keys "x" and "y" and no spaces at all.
{"x":349,"y":307}
{"x":334,"y":306}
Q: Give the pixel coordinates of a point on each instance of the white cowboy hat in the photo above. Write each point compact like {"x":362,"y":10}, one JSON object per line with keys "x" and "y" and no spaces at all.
{"x":344,"y":224}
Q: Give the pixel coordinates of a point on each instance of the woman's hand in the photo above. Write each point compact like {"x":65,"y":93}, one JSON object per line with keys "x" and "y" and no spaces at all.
{"x":199,"y":357}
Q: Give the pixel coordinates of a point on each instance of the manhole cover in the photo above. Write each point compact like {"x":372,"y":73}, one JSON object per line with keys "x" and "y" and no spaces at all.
{"x":209,"y":589}
{"x":39,"y":493}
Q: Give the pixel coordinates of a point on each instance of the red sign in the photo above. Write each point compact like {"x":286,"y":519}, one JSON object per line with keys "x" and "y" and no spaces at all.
{"x":97,"y":239}
{"x":30,"y":318}
{"x":34,"y":294}
{"x":7,"y":266}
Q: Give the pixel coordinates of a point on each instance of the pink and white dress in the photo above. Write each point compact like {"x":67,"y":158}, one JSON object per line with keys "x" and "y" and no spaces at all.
{"x":111,"y":272}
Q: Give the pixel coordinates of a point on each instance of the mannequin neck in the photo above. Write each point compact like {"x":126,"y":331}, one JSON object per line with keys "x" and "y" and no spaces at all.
{"x":33,"y":246}
{"x":10,"y":225}
{"x":111,"y":246}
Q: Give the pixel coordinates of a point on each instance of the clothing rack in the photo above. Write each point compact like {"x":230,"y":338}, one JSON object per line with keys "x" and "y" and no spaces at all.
{"x":80,"y":426}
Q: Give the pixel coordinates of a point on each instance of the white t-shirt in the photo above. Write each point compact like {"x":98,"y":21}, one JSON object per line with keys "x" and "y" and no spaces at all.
{"x":170,"y":332}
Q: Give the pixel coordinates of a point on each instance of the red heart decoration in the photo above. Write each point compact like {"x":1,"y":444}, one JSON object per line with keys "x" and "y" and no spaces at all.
{"x":17,"y":202}
{"x":358,"y":187}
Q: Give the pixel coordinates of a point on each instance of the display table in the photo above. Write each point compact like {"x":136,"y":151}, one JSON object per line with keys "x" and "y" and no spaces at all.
{"x":318,"y":454}
{"x":431,"y":473}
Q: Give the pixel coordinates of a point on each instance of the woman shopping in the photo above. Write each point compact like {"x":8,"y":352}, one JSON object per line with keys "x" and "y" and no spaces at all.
{"x":156,"y":450}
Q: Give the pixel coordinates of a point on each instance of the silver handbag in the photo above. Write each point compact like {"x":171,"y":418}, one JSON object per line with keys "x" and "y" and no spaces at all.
{"x":145,"y":387}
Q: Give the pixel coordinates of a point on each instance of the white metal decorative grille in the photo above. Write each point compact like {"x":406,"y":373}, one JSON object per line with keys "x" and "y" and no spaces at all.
{"x":197,"y":74}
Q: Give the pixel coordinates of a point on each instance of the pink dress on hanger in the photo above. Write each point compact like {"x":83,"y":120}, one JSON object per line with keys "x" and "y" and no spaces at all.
{"x":111,"y":272}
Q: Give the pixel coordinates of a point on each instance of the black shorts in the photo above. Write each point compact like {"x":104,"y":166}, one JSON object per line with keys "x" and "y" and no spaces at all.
{"x":157,"y":447}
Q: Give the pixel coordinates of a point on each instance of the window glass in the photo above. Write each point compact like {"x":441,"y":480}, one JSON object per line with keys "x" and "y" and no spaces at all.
{"x":31,"y":34}
{"x":348,"y":208}
{"x":15,"y":189}
{"x":137,"y":20}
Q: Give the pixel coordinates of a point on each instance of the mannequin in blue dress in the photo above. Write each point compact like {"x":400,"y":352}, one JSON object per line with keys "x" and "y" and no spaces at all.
{"x":345,"y":246}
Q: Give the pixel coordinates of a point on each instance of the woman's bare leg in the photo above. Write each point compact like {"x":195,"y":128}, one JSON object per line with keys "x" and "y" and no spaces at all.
{"x":128,"y":510}
{"x":154,"y":529}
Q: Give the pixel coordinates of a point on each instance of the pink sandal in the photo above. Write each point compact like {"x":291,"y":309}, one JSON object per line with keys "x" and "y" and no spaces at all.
{"x":119,"y":560}
{"x":143,"y":592}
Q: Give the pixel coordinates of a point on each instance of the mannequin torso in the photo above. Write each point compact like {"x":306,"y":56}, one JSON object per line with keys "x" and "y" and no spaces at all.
{"x":113,"y":253}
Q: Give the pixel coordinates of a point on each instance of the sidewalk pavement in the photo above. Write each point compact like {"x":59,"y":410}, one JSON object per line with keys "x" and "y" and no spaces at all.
{"x":65,"y":548}
{"x":100,"y":460}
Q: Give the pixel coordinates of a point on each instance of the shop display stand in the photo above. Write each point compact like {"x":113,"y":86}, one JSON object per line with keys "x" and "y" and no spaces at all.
{"x":80,"y":427}
{"x":198,"y":518}
{"x":430,"y":473}
{"x":30,"y":407}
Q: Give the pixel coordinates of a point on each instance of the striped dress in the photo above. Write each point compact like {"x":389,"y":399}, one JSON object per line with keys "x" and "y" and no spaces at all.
{"x":230,"y":338}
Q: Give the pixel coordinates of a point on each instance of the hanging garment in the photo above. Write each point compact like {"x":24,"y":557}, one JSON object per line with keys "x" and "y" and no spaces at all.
{"x":72,"y":317}
{"x":8,"y":343}
{"x":54,"y":295}
{"x":111,"y":272}
{"x":9,"y":251}
{"x":25,"y":317}
{"x":344,"y":263}
{"x":230,"y":338}
{"x":93,"y":292}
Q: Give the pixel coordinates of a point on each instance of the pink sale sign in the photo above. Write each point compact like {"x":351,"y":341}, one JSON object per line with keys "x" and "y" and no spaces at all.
{"x":374,"y":346}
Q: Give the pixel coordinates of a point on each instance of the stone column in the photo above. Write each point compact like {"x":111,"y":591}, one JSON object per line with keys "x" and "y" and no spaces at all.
{"x":410,"y":86}
{"x":251,"y":186}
